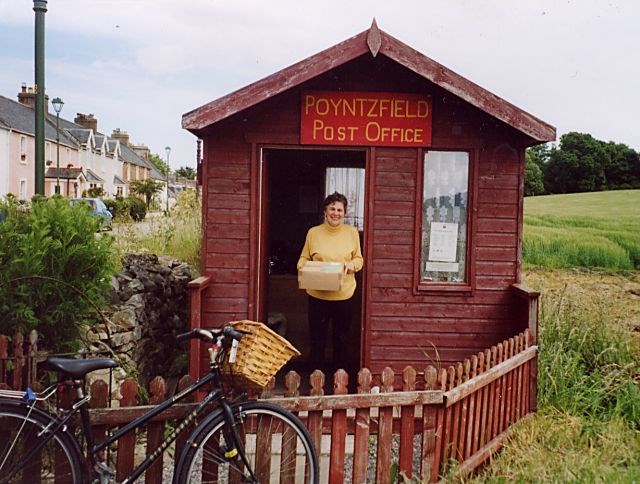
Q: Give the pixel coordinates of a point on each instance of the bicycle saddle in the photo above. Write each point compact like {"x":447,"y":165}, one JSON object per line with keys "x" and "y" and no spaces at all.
{"x":77,"y":368}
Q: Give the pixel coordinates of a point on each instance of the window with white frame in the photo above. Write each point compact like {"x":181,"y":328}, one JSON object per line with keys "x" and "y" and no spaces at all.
{"x":23,"y":149}
{"x":47,"y":153}
{"x":23,"y":189}
{"x":445,"y":217}
{"x":350,"y":183}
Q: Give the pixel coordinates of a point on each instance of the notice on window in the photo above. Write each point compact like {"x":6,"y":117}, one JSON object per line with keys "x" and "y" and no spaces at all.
{"x":442,"y":267}
{"x":443,"y":242}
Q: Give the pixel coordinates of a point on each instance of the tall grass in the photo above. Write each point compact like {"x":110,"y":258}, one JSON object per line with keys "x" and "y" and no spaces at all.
{"x":177,"y":236}
{"x":583,"y":230}
{"x":588,"y":365}
{"x":588,"y":424}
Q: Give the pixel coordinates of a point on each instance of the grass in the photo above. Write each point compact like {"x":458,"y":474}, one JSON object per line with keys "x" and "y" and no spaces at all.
{"x":595,"y":230}
{"x":177,"y":236}
{"x":587,"y":428}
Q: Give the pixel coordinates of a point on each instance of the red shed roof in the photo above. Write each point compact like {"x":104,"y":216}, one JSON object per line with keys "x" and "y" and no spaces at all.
{"x":376,"y":42}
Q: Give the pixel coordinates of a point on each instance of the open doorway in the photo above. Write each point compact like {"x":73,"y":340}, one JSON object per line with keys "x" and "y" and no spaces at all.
{"x":296,"y":182}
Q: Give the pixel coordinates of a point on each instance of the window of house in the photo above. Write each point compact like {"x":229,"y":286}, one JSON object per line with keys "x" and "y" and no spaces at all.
{"x":23,"y":189}
{"x":47,"y":152}
{"x":23,"y":149}
{"x":445,"y":217}
{"x":349,"y":182}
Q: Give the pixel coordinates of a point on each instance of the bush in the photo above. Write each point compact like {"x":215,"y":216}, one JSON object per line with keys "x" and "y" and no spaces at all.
{"x":112,"y":205}
{"x":55,"y":271}
{"x":137,"y":208}
{"x":130,"y":207}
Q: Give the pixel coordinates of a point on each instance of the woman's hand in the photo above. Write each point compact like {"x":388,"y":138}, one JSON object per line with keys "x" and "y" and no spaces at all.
{"x":349,"y":268}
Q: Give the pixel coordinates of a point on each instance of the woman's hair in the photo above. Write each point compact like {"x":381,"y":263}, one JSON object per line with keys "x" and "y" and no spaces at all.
{"x":335,"y":197}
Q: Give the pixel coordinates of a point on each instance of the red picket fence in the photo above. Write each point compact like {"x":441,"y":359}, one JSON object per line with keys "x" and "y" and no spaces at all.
{"x":441,"y":415}
{"x":18,"y":359}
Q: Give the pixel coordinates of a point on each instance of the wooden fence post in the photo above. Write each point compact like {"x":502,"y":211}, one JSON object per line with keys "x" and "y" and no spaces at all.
{"x":183,"y":383}
{"x":316,"y":382}
{"x":526,"y":404}
{"x":509,"y":377}
{"x":497,"y":423}
{"x":155,"y":431}
{"x":447,"y":434}
{"x":288,"y":450}
{"x":407,"y":424}
{"x":4,"y":356}
{"x":477,"y":418}
{"x":99,"y":392}
{"x":338,"y":429}
{"x":431,"y":426}
{"x":487,"y":402}
{"x":32,"y":361}
{"x":196,"y":287}
{"x":471,"y":416}
{"x":361,"y":432}
{"x":127,"y":443}
{"x":455,"y":434}
{"x":18,"y":361}
{"x":385,"y":430}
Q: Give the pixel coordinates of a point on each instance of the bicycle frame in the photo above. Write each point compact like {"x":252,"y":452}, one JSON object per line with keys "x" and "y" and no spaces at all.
{"x":215,"y":396}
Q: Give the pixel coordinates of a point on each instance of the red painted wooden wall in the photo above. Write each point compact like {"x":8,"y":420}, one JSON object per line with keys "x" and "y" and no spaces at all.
{"x":402,"y":325}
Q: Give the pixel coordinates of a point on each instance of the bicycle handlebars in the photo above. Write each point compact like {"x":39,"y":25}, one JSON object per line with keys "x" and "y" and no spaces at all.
{"x":228,"y":333}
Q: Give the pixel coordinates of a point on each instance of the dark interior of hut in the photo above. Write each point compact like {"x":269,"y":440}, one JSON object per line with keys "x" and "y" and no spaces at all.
{"x":297,"y":182}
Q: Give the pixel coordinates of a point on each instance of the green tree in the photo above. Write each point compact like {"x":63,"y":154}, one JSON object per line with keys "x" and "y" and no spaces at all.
{"x":186,"y":172}
{"x":55,"y":271}
{"x":148,"y":188}
{"x":95,"y":192}
{"x":577,"y":165}
{"x":160,"y":164}
{"x":533,"y":177}
{"x":623,"y":169}
{"x":539,"y":154}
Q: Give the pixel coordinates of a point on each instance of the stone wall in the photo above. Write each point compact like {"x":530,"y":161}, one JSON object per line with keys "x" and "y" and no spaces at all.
{"x":149,"y":307}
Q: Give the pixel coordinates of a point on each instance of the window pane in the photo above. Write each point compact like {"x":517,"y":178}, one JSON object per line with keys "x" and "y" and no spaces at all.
{"x":444,"y":216}
{"x":349,"y":182}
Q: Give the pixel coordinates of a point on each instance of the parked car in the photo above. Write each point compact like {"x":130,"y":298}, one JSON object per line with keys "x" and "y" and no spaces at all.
{"x":98,"y":209}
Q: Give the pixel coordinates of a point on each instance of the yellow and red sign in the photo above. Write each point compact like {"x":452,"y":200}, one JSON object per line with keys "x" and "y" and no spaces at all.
{"x":365,"y":118}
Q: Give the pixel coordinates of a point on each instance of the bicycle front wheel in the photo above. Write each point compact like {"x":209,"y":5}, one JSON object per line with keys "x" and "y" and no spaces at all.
{"x":276,"y":444}
{"x":21,"y":429}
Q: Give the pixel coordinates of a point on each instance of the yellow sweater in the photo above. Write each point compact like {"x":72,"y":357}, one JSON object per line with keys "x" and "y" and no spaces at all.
{"x":333,"y":244}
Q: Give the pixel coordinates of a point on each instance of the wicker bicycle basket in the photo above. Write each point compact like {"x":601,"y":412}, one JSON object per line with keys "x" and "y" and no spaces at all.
{"x":261,"y":353}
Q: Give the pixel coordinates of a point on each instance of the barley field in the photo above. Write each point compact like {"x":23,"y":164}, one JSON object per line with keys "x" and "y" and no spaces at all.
{"x":593,"y":230}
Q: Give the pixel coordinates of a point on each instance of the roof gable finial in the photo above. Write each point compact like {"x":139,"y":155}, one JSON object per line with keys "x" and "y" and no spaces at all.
{"x":374,"y":38}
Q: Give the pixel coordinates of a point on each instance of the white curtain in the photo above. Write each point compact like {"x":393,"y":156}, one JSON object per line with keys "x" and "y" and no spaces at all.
{"x":349,"y":182}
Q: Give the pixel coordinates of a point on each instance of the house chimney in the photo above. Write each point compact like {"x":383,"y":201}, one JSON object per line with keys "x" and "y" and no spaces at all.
{"x":27,"y":96}
{"x":121,"y":136}
{"x":142,"y":151}
{"x":87,"y":121}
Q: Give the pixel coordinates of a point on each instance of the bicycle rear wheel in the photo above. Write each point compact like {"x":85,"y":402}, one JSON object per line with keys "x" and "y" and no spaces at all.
{"x":276,"y":444}
{"x":20,"y":430}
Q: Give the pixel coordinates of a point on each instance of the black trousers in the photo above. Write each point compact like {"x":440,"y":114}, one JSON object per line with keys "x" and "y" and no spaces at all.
{"x":338,"y":314}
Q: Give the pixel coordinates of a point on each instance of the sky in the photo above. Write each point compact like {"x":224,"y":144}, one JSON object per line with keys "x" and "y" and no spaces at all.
{"x":139,"y":65}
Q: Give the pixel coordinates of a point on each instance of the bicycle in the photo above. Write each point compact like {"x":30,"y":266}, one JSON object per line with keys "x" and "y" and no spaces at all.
{"x":233,"y":441}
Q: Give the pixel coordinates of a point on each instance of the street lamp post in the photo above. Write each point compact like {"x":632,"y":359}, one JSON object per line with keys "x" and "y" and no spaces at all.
{"x":57,"y":106}
{"x":168,"y":150}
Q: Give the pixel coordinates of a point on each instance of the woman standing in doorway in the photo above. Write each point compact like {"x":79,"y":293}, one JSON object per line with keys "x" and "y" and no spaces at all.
{"x":332,"y":241}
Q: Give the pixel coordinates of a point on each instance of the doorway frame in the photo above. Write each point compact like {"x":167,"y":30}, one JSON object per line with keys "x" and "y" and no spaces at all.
{"x":260,"y":179}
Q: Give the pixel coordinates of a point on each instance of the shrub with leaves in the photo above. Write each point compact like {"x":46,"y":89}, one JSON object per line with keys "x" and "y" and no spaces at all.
{"x":55,"y":271}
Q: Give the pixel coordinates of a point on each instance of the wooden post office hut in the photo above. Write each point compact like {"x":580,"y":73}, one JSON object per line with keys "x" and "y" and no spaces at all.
{"x":433,"y":168}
